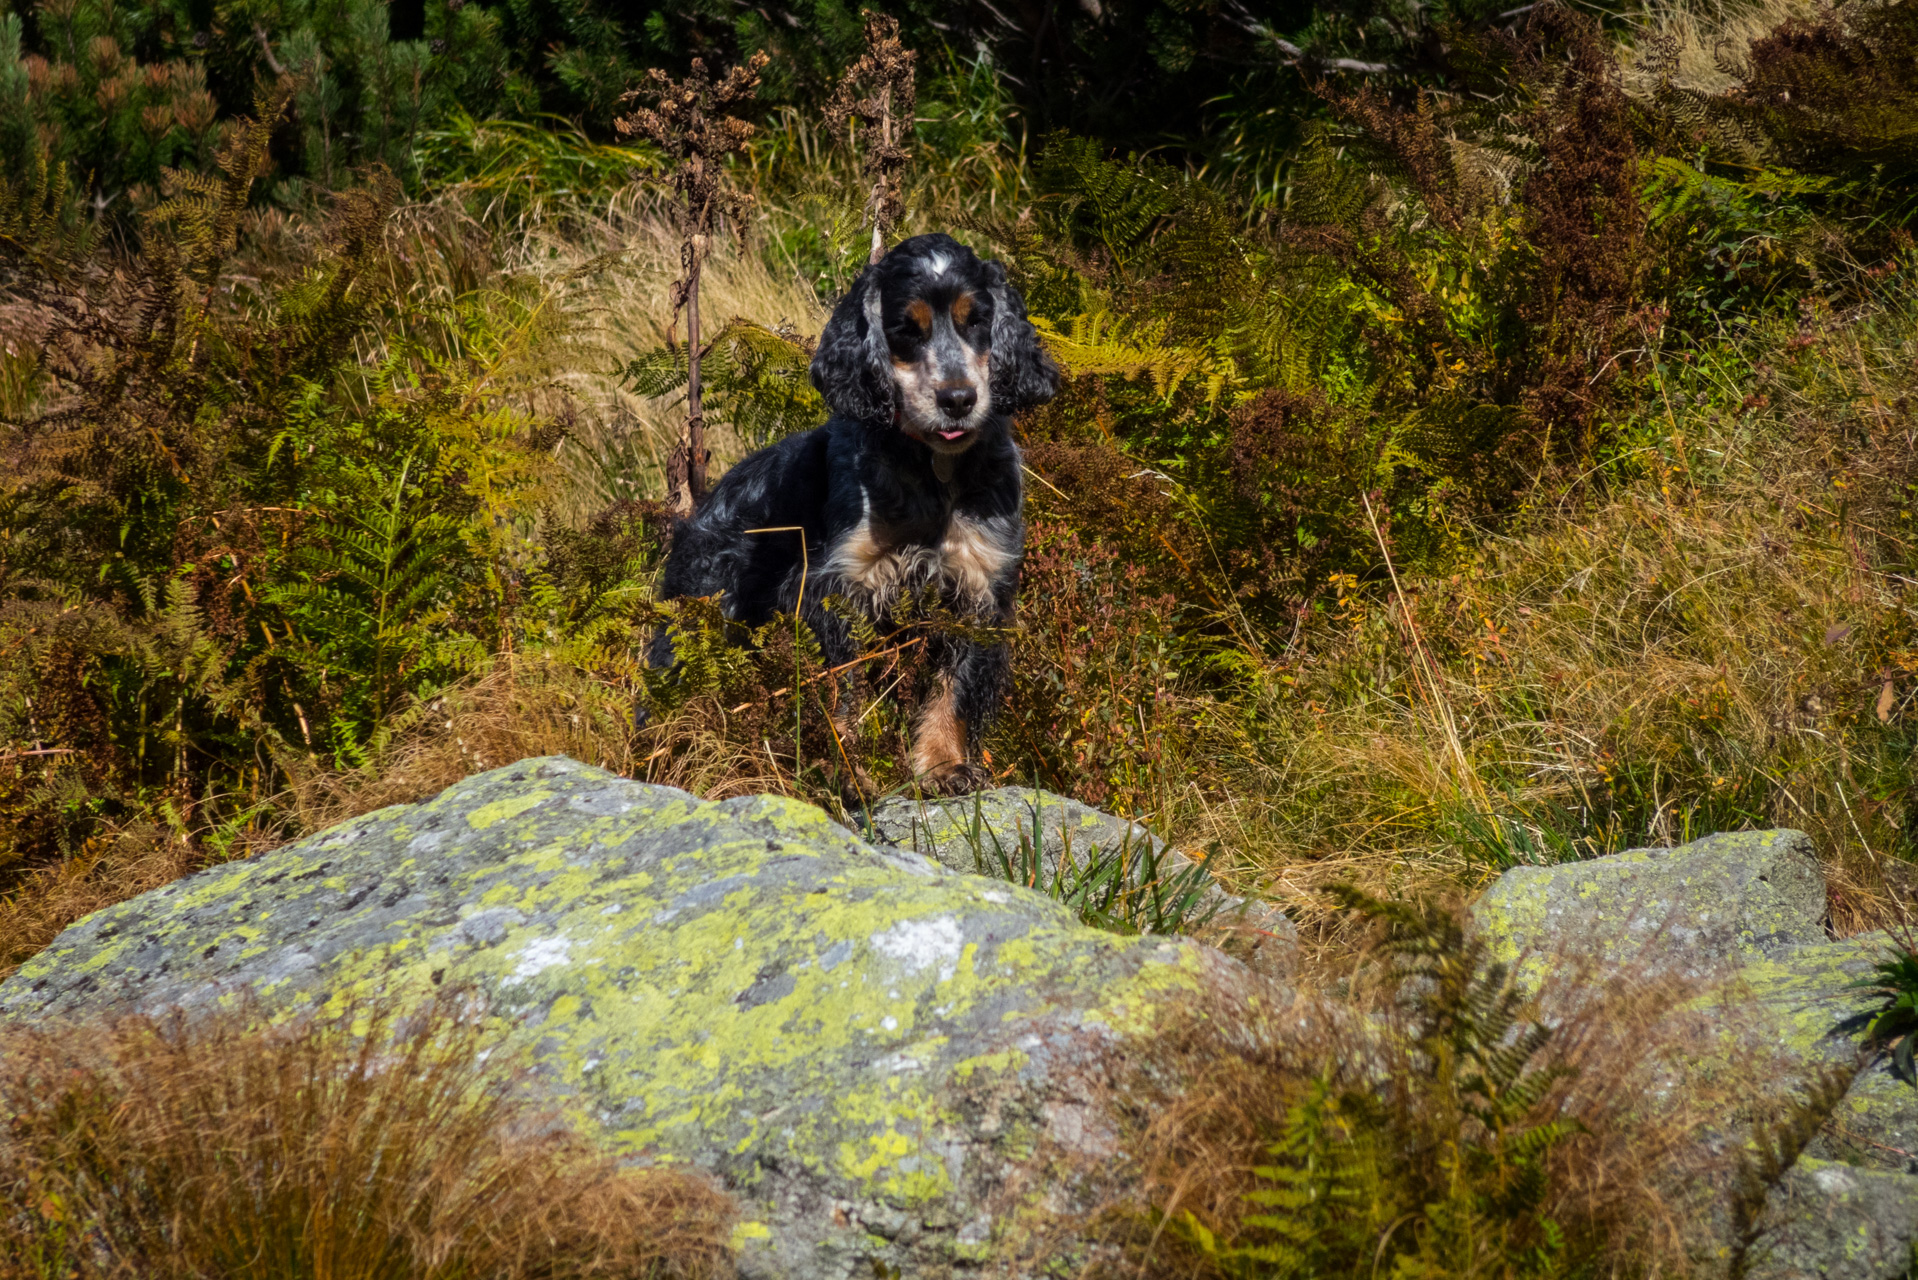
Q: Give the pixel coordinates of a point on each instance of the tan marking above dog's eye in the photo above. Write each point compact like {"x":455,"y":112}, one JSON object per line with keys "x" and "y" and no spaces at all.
{"x":920,"y":314}
{"x":962,"y":308}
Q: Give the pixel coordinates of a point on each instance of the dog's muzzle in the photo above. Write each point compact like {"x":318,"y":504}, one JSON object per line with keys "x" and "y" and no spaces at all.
{"x":955,"y":406}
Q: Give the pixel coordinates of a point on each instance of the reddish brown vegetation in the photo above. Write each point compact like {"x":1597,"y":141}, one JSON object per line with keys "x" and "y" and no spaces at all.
{"x":212,"y":1145}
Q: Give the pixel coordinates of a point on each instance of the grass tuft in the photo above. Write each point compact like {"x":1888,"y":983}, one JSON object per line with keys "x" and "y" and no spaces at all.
{"x":365,"y":1145}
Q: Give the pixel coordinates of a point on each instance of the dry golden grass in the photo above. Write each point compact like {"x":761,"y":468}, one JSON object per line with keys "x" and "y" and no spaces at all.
{"x":1724,"y":641}
{"x":366,"y":1146}
{"x":521,"y":707}
{"x":1626,"y":1190}
{"x":529,"y":706}
{"x":1697,"y":40}
{"x":116,"y":865}
{"x":612,"y":271}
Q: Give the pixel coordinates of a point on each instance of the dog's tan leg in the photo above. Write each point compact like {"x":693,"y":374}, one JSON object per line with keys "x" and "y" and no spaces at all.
{"x":939,"y":747}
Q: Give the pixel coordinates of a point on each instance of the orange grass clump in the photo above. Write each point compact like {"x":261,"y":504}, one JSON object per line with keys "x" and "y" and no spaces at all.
{"x":1407,"y":1152}
{"x":362,"y":1146}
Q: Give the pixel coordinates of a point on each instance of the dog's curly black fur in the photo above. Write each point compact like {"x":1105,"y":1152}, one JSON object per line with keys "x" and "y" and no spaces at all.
{"x":914,"y":482}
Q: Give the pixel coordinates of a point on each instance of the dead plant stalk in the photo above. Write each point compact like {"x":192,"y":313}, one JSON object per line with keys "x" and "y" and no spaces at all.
{"x":1426,"y":673}
{"x":885,"y":71}
{"x":689,"y":121}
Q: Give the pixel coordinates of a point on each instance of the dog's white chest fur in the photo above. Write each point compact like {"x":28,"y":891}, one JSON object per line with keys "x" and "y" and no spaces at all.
{"x":965,"y":562}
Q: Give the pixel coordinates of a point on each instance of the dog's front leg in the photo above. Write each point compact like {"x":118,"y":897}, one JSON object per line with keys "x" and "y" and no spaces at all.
{"x":966,"y":691}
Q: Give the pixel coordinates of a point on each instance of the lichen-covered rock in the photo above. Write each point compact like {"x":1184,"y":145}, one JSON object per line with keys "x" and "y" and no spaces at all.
{"x":1741,"y":915}
{"x":1803,"y":1004}
{"x":1724,"y":900}
{"x":964,"y":833}
{"x":1837,"y":1222}
{"x":879,"y":1058}
{"x":969,"y":834}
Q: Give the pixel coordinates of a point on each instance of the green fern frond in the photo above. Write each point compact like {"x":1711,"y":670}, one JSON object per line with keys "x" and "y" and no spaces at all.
{"x":754,"y":377}
{"x":204,"y":211}
{"x":1098,"y":343}
{"x":1112,"y":204}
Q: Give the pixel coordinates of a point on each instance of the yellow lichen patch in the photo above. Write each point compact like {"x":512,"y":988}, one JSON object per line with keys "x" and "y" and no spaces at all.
{"x":510,"y":807}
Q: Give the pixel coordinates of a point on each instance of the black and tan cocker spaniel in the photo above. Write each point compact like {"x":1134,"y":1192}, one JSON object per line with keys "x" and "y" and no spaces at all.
{"x":914,"y":484}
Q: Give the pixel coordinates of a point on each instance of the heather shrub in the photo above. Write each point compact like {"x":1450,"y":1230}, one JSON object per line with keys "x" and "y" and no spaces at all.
{"x":1093,"y":698}
{"x":120,"y":93}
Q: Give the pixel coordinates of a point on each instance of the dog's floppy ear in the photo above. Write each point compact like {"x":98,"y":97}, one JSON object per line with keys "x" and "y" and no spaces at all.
{"x":1023,"y":375}
{"x":850,"y":368}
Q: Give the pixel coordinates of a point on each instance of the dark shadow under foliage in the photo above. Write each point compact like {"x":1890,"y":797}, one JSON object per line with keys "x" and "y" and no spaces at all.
{"x":235,"y":547}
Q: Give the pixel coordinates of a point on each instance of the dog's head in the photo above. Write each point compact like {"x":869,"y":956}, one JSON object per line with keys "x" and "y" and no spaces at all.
{"x":934,"y":341}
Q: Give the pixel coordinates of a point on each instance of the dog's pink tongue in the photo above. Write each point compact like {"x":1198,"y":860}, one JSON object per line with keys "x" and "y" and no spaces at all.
{"x":950,"y":435}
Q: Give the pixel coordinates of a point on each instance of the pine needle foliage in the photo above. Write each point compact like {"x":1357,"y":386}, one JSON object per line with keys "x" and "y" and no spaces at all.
{"x":118,"y":93}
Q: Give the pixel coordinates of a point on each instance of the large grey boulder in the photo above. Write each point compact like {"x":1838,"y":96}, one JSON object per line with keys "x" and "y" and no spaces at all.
{"x":1805,"y":1007}
{"x":1724,"y":900}
{"x":1830,"y":1221}
{"x":972,"y":833}
{"x":892,"y":1067}
{"x":1848,"y":1209}
{"x":1739,"y":916}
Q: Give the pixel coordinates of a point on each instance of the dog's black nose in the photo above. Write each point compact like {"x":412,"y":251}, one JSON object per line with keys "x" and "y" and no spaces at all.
{"x":956,"y":402}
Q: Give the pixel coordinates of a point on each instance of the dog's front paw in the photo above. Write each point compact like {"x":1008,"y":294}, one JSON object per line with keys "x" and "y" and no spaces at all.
{"x":956,"y":778}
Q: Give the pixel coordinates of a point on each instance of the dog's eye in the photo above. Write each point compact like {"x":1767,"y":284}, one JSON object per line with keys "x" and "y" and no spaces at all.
{"x":915,"y":324}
